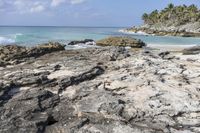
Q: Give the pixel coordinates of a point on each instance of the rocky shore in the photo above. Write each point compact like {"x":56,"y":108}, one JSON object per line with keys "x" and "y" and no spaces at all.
{"x":165,"y":31}
{"x":122,"y":42}
{"x":13,"y":54}
{"x":172,"y":20}
{"x":99,"y":90}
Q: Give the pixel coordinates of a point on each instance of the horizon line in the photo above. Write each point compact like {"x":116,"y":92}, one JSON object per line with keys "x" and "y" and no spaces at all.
{"x":64,"y":26}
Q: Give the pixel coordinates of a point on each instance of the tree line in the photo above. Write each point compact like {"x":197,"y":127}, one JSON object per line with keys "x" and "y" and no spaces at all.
{"x":173,"y":15}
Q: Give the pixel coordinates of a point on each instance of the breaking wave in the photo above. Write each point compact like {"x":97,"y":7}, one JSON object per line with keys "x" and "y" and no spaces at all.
{"x":133,"y":33}
{"x":5,"y":40}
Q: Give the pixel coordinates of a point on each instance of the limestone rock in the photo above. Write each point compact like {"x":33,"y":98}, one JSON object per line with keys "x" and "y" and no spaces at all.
{"x":121,"y":41}
{"x":192,"y":50}
{"x":104,"y":90}
{"x":13,"y":54}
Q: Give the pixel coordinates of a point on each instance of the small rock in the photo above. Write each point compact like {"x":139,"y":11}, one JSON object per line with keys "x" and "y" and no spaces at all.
{"x":191,"y":51}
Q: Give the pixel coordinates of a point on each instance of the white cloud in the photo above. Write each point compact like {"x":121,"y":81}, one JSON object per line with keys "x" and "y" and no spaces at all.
{"x":19,"y":3}
{"x":38,"y":8}
{"x":22,"y":6}
{"x":34,"y":6}
{"x":76,"y":1}
{"x":55,"y":3}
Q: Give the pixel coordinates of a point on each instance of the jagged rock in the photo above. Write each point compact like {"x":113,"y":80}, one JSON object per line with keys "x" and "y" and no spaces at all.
{"x":104,"y":89}
{"x":13,"y":54}
{"x":29,"y":111}
{"x":114,"y":54}
{"x":86,"y":42}
{"x":192,"y":50}
{"x":163,"y":54}
{"x":44,"y":49}
{"x":74,"y":80}
{"x":121,"y":41}
{"x":3,"y":63}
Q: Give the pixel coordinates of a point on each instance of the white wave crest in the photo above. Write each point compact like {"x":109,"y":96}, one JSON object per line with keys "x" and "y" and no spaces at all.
{"x":18,"y":34}
{"x":133,"y":33}
{"x":81,"y":46}
{"x":4,"y":40}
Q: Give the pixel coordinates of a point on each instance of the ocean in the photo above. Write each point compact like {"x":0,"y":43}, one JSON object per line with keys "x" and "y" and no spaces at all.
{"x":30,"y":36}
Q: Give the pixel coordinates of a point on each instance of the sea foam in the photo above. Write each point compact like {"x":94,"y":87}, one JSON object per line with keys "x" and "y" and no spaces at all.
{"x":133,"y":33}
{"x":4,"y":40}
{"x":17,"y":35}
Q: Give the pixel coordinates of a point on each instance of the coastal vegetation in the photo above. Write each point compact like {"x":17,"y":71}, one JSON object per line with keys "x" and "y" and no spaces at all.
{"x":173,"y":15}
{"x":181,"y":20}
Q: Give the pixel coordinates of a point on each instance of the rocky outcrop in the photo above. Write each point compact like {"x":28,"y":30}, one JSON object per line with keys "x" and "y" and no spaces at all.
{"x":13,"y":54}
{"x":121,"y":41}
{"x":83,"y":42}
{"x":192,"y":50}
{"x":104,"y":89}
{"x":152,"y":30}
{"x":171,"y":21}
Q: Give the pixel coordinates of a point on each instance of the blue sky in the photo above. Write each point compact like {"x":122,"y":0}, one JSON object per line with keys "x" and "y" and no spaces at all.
{"x":80,"y":12}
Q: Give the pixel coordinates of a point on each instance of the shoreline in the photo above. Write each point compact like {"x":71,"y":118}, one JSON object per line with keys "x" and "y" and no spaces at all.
{"x":143,"y":32}
{"x":125,"y":31}
{"x":156,"y":32}
{"x":170,"y":47}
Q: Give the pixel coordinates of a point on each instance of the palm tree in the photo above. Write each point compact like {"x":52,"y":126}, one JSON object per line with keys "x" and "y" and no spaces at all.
{"x":154,"y":16}
{"x":175,"y":15}
{"x":193,"y":8}
{"x":184,"y":6}
{"x":170,"y":6}
{"x":180,"y":9}
{"x":145,"y":16}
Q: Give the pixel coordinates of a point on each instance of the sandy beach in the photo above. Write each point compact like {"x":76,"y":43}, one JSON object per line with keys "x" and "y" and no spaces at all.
{"x":172,"y":48}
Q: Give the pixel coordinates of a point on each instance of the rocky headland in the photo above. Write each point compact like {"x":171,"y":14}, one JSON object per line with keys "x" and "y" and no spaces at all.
{"x":108,"y":89}
{"x":172,"y":21}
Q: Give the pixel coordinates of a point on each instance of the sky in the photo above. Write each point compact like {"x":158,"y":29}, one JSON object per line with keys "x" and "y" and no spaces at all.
{"x":108,"y":13}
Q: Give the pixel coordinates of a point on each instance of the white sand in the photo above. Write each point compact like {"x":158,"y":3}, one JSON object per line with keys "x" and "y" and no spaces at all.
{"x":169,"y":47}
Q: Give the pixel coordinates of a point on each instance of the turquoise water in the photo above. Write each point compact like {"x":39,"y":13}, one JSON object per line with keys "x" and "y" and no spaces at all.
{"x":30,"y":36}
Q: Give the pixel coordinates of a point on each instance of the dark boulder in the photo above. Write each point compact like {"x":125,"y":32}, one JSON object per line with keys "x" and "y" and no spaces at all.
{"x":192,"y":50}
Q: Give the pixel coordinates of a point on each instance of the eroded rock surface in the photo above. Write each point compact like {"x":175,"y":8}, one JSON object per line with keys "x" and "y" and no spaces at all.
{"x":121,"y":41}
{"x":13,"y":54}
{"x":102,"y":90}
